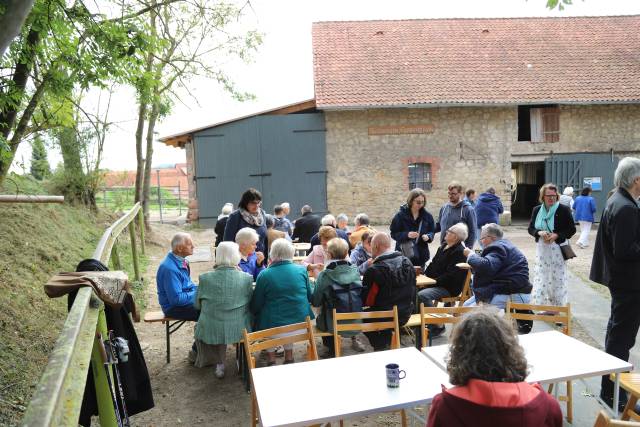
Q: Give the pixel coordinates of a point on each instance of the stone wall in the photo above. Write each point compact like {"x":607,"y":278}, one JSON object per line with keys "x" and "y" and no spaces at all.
{"x":368,"y":172}
{"x":595,"y":128}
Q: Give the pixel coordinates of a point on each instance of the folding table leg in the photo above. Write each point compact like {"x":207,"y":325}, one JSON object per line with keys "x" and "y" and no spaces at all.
{"x":168,"y":341}
{"x":616,"y":395}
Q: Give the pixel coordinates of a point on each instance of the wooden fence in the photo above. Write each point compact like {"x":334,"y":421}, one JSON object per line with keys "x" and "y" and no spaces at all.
{"x":58,"y":396}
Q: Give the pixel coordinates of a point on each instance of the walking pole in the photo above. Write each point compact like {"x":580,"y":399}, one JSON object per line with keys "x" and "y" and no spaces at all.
{"x":116,"y":361}
{"x":105,"y":362}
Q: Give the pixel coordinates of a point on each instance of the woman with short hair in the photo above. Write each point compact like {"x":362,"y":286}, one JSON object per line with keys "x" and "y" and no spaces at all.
{"x":315,"y":260}
{"x":249,"y":214}
{"x":282,"y":294}
{"x":251,"y":262}
{"x":413,"y":228}
{"x":585,"y":208}
{"x":223,"y":300}
{"x":551,"y":225}
{"x":487,"y":367}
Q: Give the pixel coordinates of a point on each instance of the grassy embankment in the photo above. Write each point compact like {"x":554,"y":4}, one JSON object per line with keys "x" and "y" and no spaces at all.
{"x":36,"y":242}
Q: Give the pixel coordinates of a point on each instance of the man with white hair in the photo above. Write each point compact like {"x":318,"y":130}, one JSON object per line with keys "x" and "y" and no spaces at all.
{"x":176,"y":290}
{"x":616,"y":264}
{"x":389,"y":281}
{"x":329,"y":220}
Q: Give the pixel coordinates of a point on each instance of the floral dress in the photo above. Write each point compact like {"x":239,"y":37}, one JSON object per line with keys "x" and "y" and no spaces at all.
{"x":549,"y":275}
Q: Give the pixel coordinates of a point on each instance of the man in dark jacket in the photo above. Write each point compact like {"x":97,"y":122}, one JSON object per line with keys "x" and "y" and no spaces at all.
{"x":500,"y":272}
{"x":488,"y":209}
{"x":457,"y":210}
{"x":306,"y":226}
{"x":389,"y":281}
{"x":616,"y":264}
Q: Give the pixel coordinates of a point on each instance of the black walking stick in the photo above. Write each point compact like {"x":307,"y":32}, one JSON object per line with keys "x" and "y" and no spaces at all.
{"x":105,"y":363}
{"x":117,"y":356}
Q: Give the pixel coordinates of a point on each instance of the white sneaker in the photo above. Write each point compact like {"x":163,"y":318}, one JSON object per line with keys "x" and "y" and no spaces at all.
{"x":220,"y":371}
{"x":356,"y":345}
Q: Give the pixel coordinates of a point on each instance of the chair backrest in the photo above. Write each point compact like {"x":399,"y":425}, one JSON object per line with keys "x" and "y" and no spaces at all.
{"x":562,"y":313}
{"x":603,"y":420}
{"x":438,"y":316}
{"x":341,"y":324}
{"x":269,"y":338}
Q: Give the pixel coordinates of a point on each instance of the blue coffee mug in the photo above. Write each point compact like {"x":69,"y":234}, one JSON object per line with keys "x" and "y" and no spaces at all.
{"x":393,"y":375}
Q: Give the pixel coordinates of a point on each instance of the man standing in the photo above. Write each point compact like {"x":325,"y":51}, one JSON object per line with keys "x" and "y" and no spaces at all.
{"x":457,"y":210}
{"x":500,"y":272}
{"x":281,"y":222}
{"x":306,"y":226}
{"x":616,"y":264}
{"x":176,"y":290}
{"x":488,"y":208}
{"x":389,"y":281}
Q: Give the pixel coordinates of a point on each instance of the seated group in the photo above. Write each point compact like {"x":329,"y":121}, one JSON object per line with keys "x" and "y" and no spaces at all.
{"x":225,"y":302}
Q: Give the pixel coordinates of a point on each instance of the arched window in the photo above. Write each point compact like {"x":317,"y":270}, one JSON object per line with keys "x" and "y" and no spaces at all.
{"x":420,"y":176}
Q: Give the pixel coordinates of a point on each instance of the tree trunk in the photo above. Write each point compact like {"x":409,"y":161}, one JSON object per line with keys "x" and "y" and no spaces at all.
{"x":153,"y":116}
{"x":142,"y":113}
{"x":11,"y":21}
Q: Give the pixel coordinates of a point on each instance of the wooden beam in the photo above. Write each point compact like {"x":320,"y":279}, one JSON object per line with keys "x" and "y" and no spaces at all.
{"x":22,"y":198}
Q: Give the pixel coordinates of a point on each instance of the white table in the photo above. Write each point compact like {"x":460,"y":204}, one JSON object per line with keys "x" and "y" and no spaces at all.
{"x":555,"y":357}
{"x":325,"y":390}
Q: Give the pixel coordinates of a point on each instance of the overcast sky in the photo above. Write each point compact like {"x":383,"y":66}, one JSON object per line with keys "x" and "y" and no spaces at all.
{"x":282,"y":70}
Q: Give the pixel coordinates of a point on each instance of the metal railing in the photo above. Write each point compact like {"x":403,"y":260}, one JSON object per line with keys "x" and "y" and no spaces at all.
{"x":58,"y":397}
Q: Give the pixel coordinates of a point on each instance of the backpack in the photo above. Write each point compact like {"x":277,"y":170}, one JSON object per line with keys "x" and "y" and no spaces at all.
{"x":346,"y":298}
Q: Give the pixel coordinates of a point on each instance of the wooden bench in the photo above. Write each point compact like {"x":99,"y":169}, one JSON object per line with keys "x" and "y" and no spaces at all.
{"x":171,"y":325}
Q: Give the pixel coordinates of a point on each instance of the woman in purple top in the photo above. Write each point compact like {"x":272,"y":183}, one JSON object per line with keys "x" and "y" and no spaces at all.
{"x":251,"y":262}
{"x":585,"y":207}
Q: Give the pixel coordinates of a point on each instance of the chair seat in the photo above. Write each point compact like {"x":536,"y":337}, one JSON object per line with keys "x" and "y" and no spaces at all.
{"x":630,"y":381}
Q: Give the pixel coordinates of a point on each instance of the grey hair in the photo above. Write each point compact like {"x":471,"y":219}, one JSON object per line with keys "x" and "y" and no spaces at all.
{"x":362,"y":219}
{"x":305,"y":209}
{"x":285,"y":205}
{"x":568,"y":191}
{"x":227,"y":254}
{"x":281,"y":250}
{"x":227,"y":209}
{"x":491,"y":190}
{"x":269,"y":221}
{"x":179,"y":239}
{"x":246,"y":235}
{"x":627,"y":171}
{"x":328,"y":220}
{"x":461,"y":230}
{"x":493,"y":230}
{"x":342,"y":217}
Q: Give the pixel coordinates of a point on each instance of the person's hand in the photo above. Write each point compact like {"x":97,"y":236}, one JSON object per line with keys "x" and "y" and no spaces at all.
{"x":425,"y":237}
{"x":467,"y":251}
{"x":259,"y":258}
{"x":413,"y":234}
{"x":543,"y":234}
{"x":550,"y":238}
{"x":370,"y":261}
{"x":318,"y":267}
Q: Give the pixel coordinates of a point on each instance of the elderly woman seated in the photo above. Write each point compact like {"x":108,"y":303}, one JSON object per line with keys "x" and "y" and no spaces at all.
{"x":487,"y":367}
{"x":223,"y":299}
{"x":250,"y":260}
{"x":361,"y":254}
{"x":282,"y":294}
{"x":316,"y":258}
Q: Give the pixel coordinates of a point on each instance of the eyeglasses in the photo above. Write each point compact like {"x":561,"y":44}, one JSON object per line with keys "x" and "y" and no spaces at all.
{"x":483,"y":237}
{"x":453,"y":193}
{"x":550,"y":195}
{"x":255,"y":202}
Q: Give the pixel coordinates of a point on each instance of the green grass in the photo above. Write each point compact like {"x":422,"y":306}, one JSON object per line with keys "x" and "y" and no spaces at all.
{"x":36,"y":242}
{"x":122,"y":199}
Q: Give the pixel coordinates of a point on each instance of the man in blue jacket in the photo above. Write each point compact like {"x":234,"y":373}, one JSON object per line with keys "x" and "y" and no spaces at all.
{"x":500,"y":272}
{"x":176,"y":290}
{"x":488,"y":209}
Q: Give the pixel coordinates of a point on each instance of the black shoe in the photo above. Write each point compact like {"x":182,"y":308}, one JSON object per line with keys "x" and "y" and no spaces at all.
{"x":436,"y":331}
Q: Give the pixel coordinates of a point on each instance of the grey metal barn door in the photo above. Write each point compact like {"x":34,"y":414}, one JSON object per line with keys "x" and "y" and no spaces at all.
{"x":579,"y":169}
{"x":283,"y":156}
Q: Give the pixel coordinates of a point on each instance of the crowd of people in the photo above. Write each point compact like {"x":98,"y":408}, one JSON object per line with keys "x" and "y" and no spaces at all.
{"x":380,"y":269}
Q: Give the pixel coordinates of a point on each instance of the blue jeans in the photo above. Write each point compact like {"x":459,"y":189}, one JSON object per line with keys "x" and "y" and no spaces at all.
{"x":500,"y":300}
{"x":428,"y":295}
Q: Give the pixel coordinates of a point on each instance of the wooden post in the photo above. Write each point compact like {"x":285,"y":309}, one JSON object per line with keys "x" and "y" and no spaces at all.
{"x":115,"y":258}
{"x":179,"y":200}
{"x":141,"y":227}
{"x":159,"y":196}
{"x":134,"y":249}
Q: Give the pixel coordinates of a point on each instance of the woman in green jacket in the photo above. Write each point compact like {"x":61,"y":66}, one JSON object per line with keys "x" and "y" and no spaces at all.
{"x":282,"y":294}
{"x":223,"y":300}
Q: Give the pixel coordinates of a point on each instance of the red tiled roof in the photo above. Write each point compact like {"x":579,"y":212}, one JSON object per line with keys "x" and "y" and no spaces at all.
{"x":476,"y":61}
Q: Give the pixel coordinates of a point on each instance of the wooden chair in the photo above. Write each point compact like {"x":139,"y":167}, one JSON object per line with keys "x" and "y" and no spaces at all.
{"x":603,"y":420}
{"x":390,"y":323}
{"x":438,"y":316}
{"x":466,"y":288}
{"x":262,"y":340}
{"x":630,"y":381}
{"x":563,"y":317}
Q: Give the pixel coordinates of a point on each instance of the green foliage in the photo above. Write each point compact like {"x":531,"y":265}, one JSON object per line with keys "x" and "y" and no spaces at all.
{"x":40,"y":168}
{"x":560,"y":4}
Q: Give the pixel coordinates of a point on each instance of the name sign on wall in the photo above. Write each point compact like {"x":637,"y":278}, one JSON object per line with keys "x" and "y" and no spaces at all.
{"x":401,"y":129}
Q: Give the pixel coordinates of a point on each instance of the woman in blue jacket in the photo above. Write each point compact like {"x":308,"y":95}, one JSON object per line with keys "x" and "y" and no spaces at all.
{"x":585,"y":207}
{"x":413,"y":228}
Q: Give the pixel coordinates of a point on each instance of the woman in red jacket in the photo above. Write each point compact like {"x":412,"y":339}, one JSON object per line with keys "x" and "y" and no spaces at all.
{"x":488,"y":368}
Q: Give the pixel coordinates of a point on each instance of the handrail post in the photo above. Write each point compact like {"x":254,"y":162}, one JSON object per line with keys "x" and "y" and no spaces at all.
{"x":115,"y":257}
{"x":141,"y":227}
{"x":134,"y":249}
{"x":106,"y":410}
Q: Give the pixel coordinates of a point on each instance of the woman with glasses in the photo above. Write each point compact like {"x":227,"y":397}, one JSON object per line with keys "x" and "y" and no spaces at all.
{"x":551,"y":226}
{"x":249,"y":214}
{"x":413,"y":227}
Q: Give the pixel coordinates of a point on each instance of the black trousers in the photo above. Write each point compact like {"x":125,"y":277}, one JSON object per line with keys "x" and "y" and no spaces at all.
{"x":622,"y":329}
{"x":379,"y":340}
